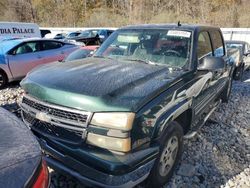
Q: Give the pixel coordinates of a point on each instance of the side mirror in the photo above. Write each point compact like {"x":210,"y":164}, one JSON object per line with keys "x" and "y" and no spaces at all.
{"x":211,"y":63}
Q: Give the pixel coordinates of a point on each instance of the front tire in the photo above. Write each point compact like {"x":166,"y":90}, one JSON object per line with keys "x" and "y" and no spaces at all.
{"x":171,"y":143}
{"x":3,"y":79}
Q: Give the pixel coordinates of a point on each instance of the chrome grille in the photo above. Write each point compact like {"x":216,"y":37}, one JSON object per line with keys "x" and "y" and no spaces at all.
{"x":79,"y":118}
{"x":61,"y":123}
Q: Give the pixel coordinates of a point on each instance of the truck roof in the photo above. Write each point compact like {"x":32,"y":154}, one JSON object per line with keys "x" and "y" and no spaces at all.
{"x":235,"y":42}
{"x":170,"y":25}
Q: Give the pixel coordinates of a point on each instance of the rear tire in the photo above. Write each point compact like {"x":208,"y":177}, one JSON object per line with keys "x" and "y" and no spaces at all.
{"x":3,"y":79}
{"x":242,"y":72}
{"x":225,"y":95}
{"x":238,"y":74}
{"x":171,"y":143}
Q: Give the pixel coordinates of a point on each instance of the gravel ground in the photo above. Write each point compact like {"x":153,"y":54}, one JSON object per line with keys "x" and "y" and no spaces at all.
{"x":218,"y":156}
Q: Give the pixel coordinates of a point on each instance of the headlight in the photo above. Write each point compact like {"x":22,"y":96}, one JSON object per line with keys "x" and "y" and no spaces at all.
{"x":116,"y":120}
{"x":115,"y":144}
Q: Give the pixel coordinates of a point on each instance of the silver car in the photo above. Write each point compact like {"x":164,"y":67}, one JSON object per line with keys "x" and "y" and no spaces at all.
{"x":19,"y":56}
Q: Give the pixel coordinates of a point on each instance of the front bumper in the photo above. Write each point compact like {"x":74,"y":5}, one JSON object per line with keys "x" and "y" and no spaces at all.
{"x":91,"y":176}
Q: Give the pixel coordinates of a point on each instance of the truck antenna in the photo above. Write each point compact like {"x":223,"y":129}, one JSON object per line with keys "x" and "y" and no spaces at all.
{"x":179,"y":23}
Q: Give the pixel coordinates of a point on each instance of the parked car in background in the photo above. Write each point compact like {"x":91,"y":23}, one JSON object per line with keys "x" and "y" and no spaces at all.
{"x":60,"y":36}
{"x":244,"y":62}
{"x":104,"y":34}
{"x":72,"y":35}
{"x":21,"y":163}
{"x":19,"y":56}
{"x":120,"y":116}
{"x":87,"y":37}
{"x":57,"y":36}
{"x":82,"y":52}
{"x":44,"y":32}
{"x":92,"y":36}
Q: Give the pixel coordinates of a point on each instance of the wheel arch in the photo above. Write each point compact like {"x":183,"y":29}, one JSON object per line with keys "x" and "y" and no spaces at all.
{"x":181,"y":113}
{"x":185,"y":120}
{"x":3,"y":71}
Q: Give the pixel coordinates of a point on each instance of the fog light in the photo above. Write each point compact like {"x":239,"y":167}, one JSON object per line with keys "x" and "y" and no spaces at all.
{"x":110,"y":143}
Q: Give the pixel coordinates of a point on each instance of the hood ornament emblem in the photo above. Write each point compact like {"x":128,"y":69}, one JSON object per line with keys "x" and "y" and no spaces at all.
{"x":43,"y":117}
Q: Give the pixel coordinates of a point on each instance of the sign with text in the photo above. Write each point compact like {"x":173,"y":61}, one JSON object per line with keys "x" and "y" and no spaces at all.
{"x":19,"y":29}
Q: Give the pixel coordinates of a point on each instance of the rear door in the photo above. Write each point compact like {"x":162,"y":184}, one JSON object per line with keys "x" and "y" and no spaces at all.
{"x":221,"y":76}
{"x":210,"y":43}
{"x":52,"y":50}
{"x":25,"y":57}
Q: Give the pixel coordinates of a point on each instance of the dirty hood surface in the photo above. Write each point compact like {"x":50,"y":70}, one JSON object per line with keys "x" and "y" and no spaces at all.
{"x":98,"y":84}
{"x":19,"y":151}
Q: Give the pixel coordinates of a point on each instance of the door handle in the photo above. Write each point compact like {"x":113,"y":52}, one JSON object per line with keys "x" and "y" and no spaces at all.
{"x":39,"y":57}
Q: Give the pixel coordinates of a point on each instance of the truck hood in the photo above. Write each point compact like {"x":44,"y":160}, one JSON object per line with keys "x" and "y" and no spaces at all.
{"x":99,"y":84}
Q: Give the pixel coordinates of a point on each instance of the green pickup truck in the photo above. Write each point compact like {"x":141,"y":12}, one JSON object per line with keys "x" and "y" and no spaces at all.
{"x":120,"y":117}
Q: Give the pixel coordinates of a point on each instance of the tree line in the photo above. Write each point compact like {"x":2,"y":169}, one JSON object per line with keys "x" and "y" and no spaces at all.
{"x":115,"y":13}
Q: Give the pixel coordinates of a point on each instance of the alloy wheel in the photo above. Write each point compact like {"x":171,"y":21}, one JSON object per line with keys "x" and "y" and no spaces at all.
{"x":168,"y":156}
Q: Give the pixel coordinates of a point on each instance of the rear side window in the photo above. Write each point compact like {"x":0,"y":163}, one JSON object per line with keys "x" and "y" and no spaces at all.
{"x":217,"y":44}
{"x":204,"y":45}
{"x":49,"y":45}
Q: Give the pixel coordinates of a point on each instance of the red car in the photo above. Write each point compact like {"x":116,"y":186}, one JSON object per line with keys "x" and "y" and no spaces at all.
{"x":83,"y":52}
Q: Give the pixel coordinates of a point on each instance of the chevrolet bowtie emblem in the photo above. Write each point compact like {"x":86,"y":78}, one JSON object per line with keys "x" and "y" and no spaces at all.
{"x":43,"y":117}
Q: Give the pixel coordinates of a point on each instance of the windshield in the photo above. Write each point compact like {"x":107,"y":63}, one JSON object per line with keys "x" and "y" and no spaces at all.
{"x":7,"y":45}
{"x":155,"y":46}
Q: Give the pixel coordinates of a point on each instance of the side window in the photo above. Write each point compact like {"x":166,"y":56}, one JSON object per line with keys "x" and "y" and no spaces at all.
{"x":204,"y":45}
{"x":217,"y":44}
{"x":49,"y":45}
{"x":27,"y":47}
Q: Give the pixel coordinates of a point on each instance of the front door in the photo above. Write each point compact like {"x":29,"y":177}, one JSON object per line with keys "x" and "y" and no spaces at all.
{"x":24,"y":58}
{"x":204,"y":78}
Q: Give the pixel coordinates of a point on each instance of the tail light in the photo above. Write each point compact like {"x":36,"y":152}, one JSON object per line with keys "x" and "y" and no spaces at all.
{"x":42,"y":180}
